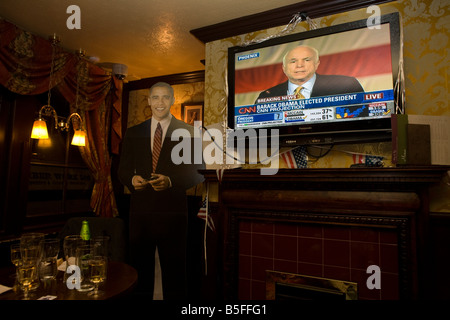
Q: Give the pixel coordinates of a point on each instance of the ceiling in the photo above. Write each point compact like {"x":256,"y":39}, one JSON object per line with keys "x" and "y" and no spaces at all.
{"x":151,"y":37}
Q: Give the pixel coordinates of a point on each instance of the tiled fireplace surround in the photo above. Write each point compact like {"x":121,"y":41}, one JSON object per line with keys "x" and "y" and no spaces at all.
{"x":335,"y":252}
{"x":325,"y":223}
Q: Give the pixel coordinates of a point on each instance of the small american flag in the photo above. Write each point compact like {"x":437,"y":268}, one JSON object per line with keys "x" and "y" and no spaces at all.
{"x":203,"y":214}
{"x":296,"y":158}
{"x":368,"y":160}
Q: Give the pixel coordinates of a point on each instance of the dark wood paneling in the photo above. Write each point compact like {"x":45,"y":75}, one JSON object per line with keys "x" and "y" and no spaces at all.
{"x":18,"y":112}
{"x":6,"y":103}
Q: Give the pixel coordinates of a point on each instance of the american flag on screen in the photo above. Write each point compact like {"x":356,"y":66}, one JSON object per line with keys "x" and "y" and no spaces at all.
{"x":296,"y":158}
{"x":363,"y":54}
{"x":203,"y":214}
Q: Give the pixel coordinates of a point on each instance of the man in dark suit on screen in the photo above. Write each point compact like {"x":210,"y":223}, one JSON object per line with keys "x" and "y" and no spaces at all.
{"x":300,"y":65}
{"x":158,"y":207}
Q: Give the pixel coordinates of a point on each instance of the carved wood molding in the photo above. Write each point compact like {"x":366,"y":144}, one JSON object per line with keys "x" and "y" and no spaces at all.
{"x":345,"y":202}
{"x":374,"y":179}
{"x":278,"y":17}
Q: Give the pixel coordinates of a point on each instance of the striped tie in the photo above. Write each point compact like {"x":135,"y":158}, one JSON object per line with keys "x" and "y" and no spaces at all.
{"x":157,"y":145}
{"x":298,"y":94}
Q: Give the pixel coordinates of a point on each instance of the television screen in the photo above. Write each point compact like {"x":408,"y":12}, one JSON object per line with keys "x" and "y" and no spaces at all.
{"x":345,"y":75}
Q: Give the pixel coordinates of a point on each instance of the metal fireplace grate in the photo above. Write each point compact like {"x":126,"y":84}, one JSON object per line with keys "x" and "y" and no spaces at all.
{"x":289,"y":286}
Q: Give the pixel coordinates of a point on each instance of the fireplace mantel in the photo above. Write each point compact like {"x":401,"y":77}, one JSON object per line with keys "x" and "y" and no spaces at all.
{"x":386,"y":179}
{"x":393,"y":199}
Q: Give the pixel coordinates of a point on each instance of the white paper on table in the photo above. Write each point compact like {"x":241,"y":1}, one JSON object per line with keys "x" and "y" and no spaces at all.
{"x":4,"y":288}
{"x":62,"y":264}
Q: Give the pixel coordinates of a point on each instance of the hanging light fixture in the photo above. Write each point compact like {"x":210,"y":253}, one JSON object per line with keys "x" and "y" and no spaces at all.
{"x":79,"y":136}
{"x":39,"y":130}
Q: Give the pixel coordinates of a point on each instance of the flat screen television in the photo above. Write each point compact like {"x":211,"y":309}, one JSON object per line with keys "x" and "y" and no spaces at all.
{"x":351,"y":100}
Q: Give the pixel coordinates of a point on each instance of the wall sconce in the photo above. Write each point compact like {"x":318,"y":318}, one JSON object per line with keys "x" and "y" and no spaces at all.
{"x":39,"y":130}
{"x":40,"y":126}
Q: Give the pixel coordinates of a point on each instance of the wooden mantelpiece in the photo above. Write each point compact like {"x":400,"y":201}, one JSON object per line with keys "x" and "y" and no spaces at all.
{"x":394,"y":179}
{"x":392,"y":199}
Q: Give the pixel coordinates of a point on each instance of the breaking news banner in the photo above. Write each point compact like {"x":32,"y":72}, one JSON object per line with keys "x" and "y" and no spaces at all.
{"x":283,"y":110}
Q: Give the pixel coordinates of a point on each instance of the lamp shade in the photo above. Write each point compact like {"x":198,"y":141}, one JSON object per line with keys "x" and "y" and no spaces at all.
{"x":79,"y":138}
{"x":39,"y":130}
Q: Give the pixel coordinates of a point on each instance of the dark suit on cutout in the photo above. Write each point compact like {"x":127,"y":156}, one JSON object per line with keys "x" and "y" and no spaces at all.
{"x":323,"y":86}
{"x":158,"y":218}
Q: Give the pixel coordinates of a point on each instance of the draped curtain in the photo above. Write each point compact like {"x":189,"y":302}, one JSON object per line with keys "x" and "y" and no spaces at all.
{"x":25,"y":64}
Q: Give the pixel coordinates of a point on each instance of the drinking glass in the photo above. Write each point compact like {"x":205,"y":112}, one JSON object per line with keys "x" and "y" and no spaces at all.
{"x":48,"y":267}
{"x":101,"y":244}
{"x":26,"y":274}
{"x":31,"y":245}
{"x":31,"y":249}
{"x":97,"y":266}
{"x":15,"y":254}
{"x":15,"y":259}
{"x":70,"y":245}
{"x":83,"y":257}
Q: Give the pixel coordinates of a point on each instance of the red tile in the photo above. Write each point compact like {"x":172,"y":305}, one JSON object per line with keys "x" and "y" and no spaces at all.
{"x":262,"y":245}
{"x":310,"y":269}
{"x":310,"y":230}
{"x":258,"y":290}
{"x":259,"y":267}
{"x":245,"y":243}
{"x":245,"y":267}
{"x":244,"y":289}
{"x":310,"y":250}
{"x":261,"y":227}
{"x":389,"y":258}
{"x":336,"y":232}
{"x":364,"y":234}
{"x":286,"y":229}
{"x":389,"y":286}
{"x":337,"y":273}
{"x":364,"y":254}
{"x":245,"y":226}
{"x":285,"y":266}
{"x":336,"y":253}
{"x":285,"y":248}
{"x":389,"y":236}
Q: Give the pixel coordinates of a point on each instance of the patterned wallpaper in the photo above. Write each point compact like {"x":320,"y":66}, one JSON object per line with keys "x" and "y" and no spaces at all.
{"x":139,"y":110}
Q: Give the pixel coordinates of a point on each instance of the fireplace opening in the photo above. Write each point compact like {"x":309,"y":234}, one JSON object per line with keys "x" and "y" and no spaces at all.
{"x":287,"y":292}
{"x":288,"y":286}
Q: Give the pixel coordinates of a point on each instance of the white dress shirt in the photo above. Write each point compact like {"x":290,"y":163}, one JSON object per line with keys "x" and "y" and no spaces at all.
{"x":307,"y":87}
{"x":164,"y":125}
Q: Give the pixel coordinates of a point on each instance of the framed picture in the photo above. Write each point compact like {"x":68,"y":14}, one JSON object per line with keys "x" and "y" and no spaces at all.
{"x":192,"y":112}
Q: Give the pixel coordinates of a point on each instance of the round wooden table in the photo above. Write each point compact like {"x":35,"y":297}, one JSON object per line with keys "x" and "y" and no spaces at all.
{"x":121,"y":280}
